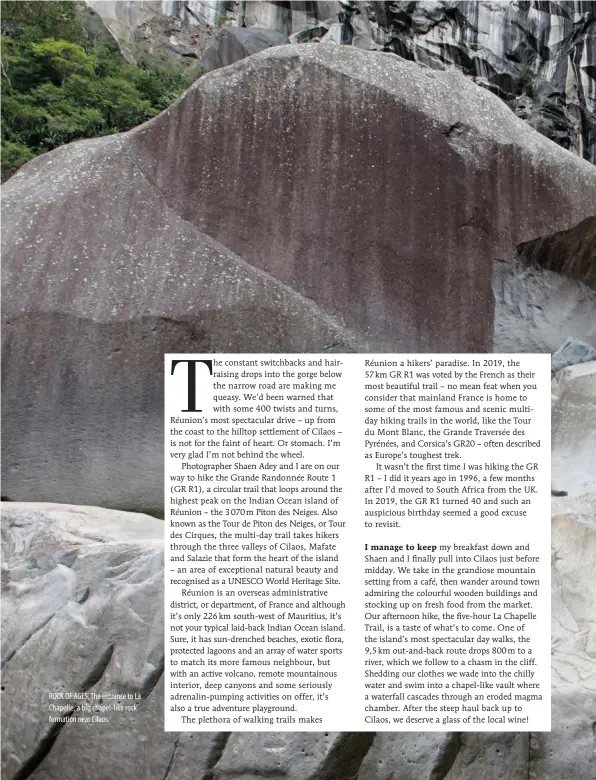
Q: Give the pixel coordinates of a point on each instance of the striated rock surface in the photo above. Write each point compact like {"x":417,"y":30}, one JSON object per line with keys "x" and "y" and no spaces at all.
{"x":83,"y":612}
{"x":123,"y":16}
{"x":539,"y":57}
{"x":242,"y":220}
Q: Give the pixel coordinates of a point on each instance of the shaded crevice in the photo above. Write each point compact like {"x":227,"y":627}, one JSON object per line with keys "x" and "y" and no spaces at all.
{"x":265,"y":774}
{"x":82,"y":598}
{"x":533,"y":753}
{"x":46,"y":743}
{"x":153,"y":678}
{"x":189,"y":11}
{"x":11,"y":655}
{"x":344,"y":760}
{"x":172,"y":757}
{"x":473,"y":225}
{"x":215,"y":753}
{"x":457,"y":128}
{"x":98,"y":671}
{"x":446,"y":756}
{"x":44,"y":746}
{"x":571,"y":253}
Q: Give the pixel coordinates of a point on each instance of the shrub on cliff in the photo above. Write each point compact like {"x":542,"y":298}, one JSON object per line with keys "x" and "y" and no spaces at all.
{"x":59,"y":85}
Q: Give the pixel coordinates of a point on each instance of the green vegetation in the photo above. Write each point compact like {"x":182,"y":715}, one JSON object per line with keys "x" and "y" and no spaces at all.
{"x":60,"y":85}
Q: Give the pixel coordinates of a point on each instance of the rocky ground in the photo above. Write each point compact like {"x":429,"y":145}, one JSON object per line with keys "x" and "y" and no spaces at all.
{"x":83,"y":612}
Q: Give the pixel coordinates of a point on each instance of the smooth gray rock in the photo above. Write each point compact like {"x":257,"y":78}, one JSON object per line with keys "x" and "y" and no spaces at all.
{"x":535,"y":309}
{"x":235,"y":43}
{"x":574,"y":429}
{"x":571,"y":353}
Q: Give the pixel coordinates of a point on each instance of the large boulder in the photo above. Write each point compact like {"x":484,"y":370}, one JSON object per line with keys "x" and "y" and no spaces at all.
{"x":304,"y":199}
{"x":83,"y":613}
{"x":90,"y":426}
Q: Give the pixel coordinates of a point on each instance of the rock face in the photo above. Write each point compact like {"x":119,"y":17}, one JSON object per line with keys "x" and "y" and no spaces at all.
{"x":122,"y":16}
{"x":242,"y":220}
{"x":539,"y":57}
{"x":537,"y":310}
{"x":83,"y":613}
{"x":235,"y":43}
{"x":574,"y":429}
